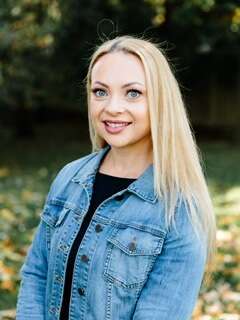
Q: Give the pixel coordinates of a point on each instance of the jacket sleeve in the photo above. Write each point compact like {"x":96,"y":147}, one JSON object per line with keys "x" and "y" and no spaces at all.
{"x":33,"y":273}
{"x":174,"y":283}
{"x":31,"y":297}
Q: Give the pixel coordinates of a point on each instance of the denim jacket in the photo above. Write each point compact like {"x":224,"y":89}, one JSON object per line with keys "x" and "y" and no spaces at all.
{"x":136,"y":268}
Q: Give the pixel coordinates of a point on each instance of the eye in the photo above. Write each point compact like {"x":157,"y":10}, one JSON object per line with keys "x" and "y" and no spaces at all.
{"x":99,"y":92}
{"x":133,"y":93}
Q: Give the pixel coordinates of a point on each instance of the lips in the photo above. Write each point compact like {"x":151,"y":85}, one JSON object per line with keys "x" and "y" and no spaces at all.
{"x":115,"y":127}
{"x":116,"y":122}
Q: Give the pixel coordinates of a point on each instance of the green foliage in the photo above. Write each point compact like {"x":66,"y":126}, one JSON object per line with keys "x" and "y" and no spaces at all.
{"x":199,"y":26}
{"x":45,"y":44}
{"x":27,"y":38}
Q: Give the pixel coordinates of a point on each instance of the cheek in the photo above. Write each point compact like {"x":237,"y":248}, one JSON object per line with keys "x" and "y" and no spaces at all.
{"x":94,"y":109}
{"x":142,"y":114}
{"x":144,"y":121}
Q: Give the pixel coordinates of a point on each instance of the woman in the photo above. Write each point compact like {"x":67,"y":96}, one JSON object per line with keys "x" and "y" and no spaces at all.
{"x":128,"y":230}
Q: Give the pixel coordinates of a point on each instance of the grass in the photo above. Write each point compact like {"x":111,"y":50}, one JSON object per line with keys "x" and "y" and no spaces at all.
{"x":221,"y":164}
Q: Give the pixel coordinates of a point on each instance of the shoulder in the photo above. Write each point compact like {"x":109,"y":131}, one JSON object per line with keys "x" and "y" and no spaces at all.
{"x":66,"y":173}
{"x":72,"y":167}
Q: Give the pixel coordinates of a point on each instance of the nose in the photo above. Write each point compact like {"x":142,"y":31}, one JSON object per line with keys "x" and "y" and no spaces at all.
{"x":114,"y":105}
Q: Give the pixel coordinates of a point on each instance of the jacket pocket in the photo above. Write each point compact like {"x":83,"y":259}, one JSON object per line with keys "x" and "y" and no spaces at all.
{"x":130,"y":255}
{"x":54,"y":215}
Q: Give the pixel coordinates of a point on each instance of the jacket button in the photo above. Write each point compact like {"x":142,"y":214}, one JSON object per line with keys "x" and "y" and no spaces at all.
{"x":120,"y":197}
{"x":84,"y":258}
{"x":59,"y":278}
{"x":63,"y":247}
{"x":53,"y":310}
{"x":81,"y":291}
{"x":98,"y":228}
{"x":132,"y":246}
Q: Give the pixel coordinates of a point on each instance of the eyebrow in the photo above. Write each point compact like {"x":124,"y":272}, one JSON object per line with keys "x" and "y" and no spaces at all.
{"x":124,"y":86}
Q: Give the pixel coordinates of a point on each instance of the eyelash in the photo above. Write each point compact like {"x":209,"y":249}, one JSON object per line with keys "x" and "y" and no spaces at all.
{"x":96,"y":89}
{"x":99,"y":89}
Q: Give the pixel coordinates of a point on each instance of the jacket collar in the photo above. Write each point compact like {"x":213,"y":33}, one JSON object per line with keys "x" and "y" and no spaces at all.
{"x":142,"y":187}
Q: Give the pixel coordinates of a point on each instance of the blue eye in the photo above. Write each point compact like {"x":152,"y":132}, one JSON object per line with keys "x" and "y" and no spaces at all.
{"x":98,"y":92}
{"x":133,"y":93}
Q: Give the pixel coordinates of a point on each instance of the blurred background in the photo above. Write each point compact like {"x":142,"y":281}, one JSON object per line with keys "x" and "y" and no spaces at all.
{"x":45,"y":47}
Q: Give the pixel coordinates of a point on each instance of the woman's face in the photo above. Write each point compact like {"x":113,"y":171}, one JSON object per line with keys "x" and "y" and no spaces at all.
{"x":118,"y":101}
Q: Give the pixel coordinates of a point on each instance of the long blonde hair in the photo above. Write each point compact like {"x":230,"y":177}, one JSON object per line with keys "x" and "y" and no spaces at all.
{"x":176,"y":157}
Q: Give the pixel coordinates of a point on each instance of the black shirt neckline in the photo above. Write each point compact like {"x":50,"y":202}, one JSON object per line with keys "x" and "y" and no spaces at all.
{"x":113,"y":177}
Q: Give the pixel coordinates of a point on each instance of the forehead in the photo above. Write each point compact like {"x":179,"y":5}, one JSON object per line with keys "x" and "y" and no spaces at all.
{"x":118,"y":66}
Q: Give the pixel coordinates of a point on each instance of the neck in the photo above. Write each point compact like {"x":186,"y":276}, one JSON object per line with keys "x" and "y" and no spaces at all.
{"x":127,"y":163}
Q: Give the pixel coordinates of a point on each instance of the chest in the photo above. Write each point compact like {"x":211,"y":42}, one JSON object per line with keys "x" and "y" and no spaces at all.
{"x":123,"y":238}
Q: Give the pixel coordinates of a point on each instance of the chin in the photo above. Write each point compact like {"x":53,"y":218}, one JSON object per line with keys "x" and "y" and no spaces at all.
{"x":118,"y":145}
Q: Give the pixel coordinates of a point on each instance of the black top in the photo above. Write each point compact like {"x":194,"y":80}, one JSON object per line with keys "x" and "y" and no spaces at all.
{"x":104,"y":187}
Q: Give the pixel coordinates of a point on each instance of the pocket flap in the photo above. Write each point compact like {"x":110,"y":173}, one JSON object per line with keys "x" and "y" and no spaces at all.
{"x":136,"y":242}
{"x":52,"y":216}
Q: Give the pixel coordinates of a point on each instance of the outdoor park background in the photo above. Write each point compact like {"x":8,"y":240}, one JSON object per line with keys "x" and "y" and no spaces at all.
{"x":44,"y":50}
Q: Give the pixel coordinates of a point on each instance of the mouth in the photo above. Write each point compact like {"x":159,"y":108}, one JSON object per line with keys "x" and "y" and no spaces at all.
{"x":116,"y":124}
{"x":115,"y":127}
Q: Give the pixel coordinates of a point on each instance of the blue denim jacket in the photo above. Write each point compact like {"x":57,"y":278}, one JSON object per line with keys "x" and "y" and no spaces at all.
{"x":137,"y":269}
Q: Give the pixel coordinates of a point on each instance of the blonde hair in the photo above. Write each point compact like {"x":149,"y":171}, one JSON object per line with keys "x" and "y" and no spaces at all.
{"x":176,"y":158}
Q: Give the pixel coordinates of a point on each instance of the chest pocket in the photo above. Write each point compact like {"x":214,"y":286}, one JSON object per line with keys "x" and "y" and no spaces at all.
{"x":54,"y":216}
{"x":130,"y":255}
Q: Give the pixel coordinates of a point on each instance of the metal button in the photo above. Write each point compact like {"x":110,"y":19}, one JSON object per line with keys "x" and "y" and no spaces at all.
{"x":63,"y":247}
{"x":81,"y":291}
{"x":53,"y":310}
{"x":59,"y":278}
{"x":132,"y":246}
{"x":84,"y":258}
{"x":98,"y":228}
